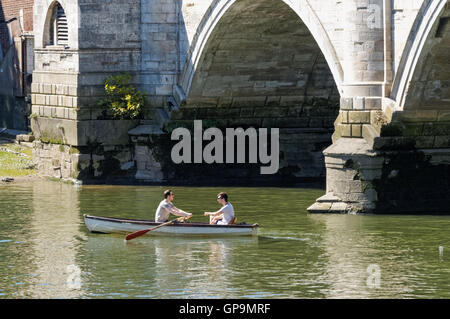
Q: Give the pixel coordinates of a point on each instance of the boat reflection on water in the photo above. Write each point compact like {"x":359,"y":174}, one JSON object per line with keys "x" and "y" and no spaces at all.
{"x":202,"y":266}
{"x":162,"y":267}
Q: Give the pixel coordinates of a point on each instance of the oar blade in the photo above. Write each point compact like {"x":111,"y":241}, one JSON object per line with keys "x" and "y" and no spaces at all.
{"x":142,"y":232}
{"x":136,"y":234}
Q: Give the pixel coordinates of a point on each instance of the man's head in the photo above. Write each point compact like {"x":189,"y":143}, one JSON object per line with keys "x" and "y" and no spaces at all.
{"x":222,"y":198}
{"x":168,"y":194}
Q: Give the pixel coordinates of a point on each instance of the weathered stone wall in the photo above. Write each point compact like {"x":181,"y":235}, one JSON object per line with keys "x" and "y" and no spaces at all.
{"x":93,"y":163}
{"x":56,"y":73}
{"x":360,"y":179}
{"x":160,"y":60}
{"x":425,"y":129}
{"x":415,"y":181}
{"x":68,"y":82}
{"x":109,"y":41}
{"x":305,"y":131}
{"x":103,"y":38}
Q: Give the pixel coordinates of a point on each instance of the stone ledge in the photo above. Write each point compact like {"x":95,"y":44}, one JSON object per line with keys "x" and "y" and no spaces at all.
{"x":82,"y":133}
{"x":329,"y":204}
{"x":349,"y":146}
{"x":24,"y":138}
{"x":145,"y":130}
{"x":328,"y":198}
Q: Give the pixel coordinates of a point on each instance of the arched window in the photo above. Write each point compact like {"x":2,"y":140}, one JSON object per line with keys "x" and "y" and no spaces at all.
{"x":58,"y":30}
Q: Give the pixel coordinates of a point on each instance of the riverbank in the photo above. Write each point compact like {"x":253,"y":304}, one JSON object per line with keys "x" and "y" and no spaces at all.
{"x":16,"y":161}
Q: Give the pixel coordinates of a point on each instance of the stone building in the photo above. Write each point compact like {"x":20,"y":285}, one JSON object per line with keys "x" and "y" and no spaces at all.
{"x":359,"y":90}
{"x":16,"y":63}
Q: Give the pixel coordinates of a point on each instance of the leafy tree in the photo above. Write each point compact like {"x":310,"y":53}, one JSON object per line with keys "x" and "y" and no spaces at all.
{"x":122,"y":98}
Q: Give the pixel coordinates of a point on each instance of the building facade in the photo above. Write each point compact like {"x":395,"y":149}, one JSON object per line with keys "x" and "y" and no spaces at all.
{"x":16,"y":63}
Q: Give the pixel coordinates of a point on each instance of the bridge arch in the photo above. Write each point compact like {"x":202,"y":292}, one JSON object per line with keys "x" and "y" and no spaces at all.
{"x":219,"y":8}
{"x":264,"y":64}
{"x":426,"y":48}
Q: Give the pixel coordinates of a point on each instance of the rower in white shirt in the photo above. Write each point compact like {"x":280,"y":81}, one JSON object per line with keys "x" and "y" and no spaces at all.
{"x":166,"y":207}
{"x":223,"y":216}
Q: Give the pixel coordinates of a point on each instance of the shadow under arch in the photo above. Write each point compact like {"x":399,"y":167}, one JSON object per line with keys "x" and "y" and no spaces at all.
{"x":219,"y":8}
{"x":415,"y":57}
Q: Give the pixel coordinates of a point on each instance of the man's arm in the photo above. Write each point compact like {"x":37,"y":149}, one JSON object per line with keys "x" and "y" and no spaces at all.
{"x":179,"y":212}
{"x":214,"y":213}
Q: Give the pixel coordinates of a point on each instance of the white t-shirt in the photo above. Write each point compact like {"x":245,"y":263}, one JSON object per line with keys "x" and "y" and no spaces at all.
{"x":228,"y":214}
{"x":163,"y":211}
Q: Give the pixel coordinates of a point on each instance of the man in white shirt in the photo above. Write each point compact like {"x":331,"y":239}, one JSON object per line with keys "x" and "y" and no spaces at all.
{"x":166,"y":207}
{"x":224,"y":215}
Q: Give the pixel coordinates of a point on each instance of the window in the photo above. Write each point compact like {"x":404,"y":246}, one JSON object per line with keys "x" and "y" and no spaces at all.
{"x":58,"y":30}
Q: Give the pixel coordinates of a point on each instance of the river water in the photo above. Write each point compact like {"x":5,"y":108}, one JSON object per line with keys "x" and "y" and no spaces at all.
{"x":47,"y":252}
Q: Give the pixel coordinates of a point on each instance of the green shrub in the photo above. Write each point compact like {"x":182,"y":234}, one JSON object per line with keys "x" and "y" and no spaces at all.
{"x":122,"y":98}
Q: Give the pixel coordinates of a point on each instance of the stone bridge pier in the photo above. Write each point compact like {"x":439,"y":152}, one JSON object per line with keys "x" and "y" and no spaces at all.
{"x":351,"y":162}
{"x":397,"y":107}
{"x":359,"y":89}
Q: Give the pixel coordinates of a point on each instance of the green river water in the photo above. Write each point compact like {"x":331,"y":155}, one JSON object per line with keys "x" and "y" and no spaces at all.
{"x":47,"y":252}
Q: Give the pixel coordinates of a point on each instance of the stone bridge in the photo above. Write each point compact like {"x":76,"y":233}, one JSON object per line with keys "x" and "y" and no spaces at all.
{"x":360,"y":90}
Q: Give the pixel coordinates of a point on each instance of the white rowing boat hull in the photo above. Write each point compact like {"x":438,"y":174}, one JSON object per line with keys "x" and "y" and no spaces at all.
{"x":109,"y":225}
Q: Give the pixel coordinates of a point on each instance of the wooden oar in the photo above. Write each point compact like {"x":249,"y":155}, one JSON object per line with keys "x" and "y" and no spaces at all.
{"x":145,"y":231}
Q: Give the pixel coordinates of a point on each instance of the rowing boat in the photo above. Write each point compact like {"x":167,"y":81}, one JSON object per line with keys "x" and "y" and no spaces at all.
{"x":107,"y":225}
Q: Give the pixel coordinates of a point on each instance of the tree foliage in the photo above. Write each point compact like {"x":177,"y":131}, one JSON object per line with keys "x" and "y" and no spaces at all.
{"x":122,"y":98}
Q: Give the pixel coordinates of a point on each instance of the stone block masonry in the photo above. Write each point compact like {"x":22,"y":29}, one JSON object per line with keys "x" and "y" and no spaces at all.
{"x":360,"y":180}
{"x":160,"y":47}
{"x":88,"y":164}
